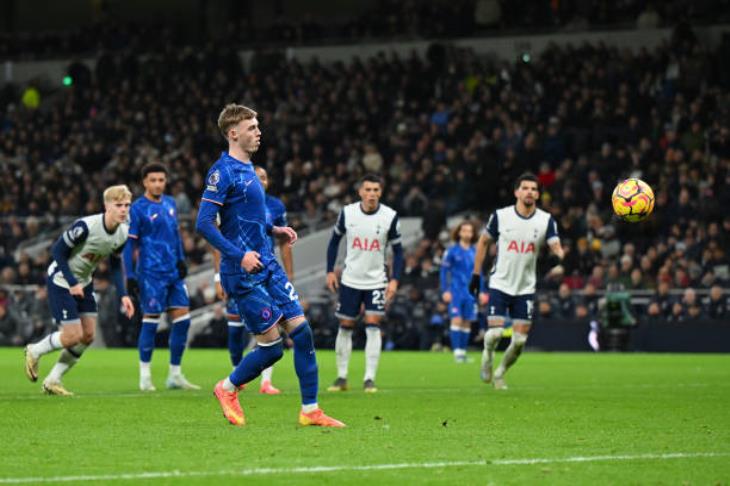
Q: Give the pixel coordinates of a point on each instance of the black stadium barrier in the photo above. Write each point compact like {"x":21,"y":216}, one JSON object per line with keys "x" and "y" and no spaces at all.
{"x":689,"y":336}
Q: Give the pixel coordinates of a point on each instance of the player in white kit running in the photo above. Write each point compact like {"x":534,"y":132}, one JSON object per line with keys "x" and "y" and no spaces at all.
{"x":520,"y":231}
{"x":368,"y":227}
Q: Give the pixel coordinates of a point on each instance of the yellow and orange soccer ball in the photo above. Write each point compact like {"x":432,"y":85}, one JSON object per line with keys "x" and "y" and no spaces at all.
{"x":633,"y":200}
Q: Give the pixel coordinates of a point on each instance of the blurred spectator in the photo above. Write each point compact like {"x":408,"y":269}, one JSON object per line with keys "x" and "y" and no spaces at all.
{"x":565,"y":305}
{"x":11,"y":327}
{"x":717,"y":306}
{"x":662,"y":303}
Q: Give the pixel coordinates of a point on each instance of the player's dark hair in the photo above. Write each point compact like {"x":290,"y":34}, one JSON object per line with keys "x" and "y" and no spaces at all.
{"x":154,"y":167}
{"x":527,"y":176}
{"x":371,"y":177}
{"x":475,"y":231}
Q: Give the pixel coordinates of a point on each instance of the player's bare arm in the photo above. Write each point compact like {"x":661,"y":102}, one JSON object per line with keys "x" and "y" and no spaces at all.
{"x":285,"y":233}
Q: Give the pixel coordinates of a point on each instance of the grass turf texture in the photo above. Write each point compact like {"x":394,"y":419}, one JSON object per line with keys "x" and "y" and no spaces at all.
{"x":428,"y":410}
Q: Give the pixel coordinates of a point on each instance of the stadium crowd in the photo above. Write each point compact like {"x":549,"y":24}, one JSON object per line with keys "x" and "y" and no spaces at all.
{"x":450,"y":131}
{"x":112,"y":31}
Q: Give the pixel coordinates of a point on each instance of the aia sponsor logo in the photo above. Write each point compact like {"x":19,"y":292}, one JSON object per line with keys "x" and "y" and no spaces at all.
{"x":521,"y":246}
{"x":365,"y":244}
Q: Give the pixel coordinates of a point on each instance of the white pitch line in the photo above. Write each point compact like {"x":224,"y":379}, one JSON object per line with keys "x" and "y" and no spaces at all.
{"x":370,"y":467}
{"x":478,"y":388}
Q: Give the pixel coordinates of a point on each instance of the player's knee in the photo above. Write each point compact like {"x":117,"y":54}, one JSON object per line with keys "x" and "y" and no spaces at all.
{"x":87,"y":337}
{"x":272,"y":352}
{"x":519,"y":339}
{"x":71,"y":335}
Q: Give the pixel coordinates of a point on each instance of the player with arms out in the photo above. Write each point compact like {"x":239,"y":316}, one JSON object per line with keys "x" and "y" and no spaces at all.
{"x":249,"y":272}
{"x":456,"y":269}
{"x":76,"y":254}
{"x":520,"y":231}
{"x":159,"y":275}
{"x":276,"y":216}
{"x":368,"y":226}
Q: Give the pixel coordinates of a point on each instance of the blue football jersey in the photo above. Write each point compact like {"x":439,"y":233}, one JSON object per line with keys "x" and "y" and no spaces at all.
{"x":275,"y":214}
{"x":457,"y":268}
{"x":154,"y":226}
{"x":233,"y":185}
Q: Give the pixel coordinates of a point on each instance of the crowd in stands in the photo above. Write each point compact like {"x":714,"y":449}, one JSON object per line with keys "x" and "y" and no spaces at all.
{"x":449,"y":131}
{"x":381,"y":20}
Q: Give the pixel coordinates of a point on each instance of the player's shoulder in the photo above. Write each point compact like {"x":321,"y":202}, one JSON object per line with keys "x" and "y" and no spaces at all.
{"x":91,"y":221}
{"x":503,"y":211}
{"x":542,"y":215}
{"x":275,"y":202}
{"x":387,"y":210}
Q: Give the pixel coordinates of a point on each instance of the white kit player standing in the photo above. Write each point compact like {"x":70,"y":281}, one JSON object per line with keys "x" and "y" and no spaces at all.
{"x":368,"y":227}
{"x":520,"y":231}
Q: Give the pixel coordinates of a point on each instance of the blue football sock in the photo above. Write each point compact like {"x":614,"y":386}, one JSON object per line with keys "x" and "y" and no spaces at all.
{"x":235,"y":343}
{"x":255,"y":362}
{"x":305,"y":363}
{"x":146,"y":339}
{"x":464,"y":338}
{"x":178,"y":339}
{"x":455,"y":337}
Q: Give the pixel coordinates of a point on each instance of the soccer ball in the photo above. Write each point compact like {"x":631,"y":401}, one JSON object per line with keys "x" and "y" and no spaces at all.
{"x":633,"y":200}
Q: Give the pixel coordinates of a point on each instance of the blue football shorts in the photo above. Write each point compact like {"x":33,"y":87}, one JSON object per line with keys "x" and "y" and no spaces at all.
{"x":159,"y":292}
{"x":463,"y":305}
{"x":262,"y":304}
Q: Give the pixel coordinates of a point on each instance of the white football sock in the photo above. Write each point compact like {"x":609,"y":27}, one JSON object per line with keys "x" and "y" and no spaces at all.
{"x":66,"y":361}
{"x":491,"y":341}
{"x":228,"y":385}
{"x":175,"y":370}
{"x":343,"y":350}
{"x":310,"y":408}
{"x":49,"y":343}
{"x":511,"y":354}
{"x":144,"y":370}
{"x":266,"y":374}
{"x":373,"y":345}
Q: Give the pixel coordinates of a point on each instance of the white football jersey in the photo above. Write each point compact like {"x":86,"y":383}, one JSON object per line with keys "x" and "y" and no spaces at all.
{"x":90,"y":243}
{"x":367,"y":236}
{"x":519,"y":240}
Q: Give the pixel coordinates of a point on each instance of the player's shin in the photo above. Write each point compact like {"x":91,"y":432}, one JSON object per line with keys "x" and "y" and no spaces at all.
{"x":66,"y":360}
{"x":343,"y":350}
{"x":251,"y":366}
{"x":236,"y":344}
{"x":512,"y":353}
{"x":491,"y":341}
{"x":373,"y":346}
{"x":305,"y":364}
{"x":46,"y":345}
{"x":146,"y":339}
{"x":178,"y":341}
{"x":455,"y":338}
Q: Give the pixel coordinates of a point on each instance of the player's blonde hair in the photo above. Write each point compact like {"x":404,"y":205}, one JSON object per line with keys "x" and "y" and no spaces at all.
{"x":231,"y":115}
{"x":117,"y":193}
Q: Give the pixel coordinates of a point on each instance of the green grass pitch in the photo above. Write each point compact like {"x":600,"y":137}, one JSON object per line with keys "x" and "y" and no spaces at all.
{"x":567,"y":418}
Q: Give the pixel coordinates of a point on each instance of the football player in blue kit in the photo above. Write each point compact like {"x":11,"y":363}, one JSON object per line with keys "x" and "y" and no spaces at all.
{"x":456,"y":269}
{"x":159,"y":275}
{"x":237,"y":336}
{"x":250,"y":274}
